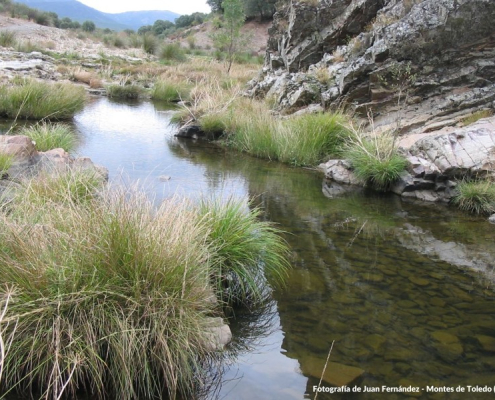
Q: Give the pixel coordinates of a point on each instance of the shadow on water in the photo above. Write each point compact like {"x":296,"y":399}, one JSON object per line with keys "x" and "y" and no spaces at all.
{"x":404,"y":289}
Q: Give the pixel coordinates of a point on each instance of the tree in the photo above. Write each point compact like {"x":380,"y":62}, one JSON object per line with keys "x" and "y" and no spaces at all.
{"x":160,"y":25}
{"x":260,"y":8}
{"x":216,"y":5}
{"x":229,"y":38}
{"x":88,"y":26}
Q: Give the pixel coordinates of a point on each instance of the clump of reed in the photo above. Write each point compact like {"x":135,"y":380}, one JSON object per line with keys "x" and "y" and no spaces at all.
{"x":245,"y":250}
{"x":302,"y":140}
{"x":8,"y":39}
{"x":30,"y":99}
{"x":476,"y":196}
{"x":170,"y":91}
{"x":125,"y":91}
{"x":48,"y":136}
{"x":172,"y":52}
{"x":375,"y":158}
{"x":113,"y":295}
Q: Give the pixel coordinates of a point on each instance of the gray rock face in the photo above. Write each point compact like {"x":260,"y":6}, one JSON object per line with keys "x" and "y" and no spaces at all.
{"x":419,"y":65}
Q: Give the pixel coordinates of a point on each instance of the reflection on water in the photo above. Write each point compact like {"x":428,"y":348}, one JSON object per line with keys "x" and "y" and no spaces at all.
{"x":404,"y":290}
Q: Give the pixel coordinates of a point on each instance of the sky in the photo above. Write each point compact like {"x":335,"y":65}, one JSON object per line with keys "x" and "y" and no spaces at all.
{"x":177,"y":6}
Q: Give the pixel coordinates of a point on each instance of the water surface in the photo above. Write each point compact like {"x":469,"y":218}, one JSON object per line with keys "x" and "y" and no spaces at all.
{"x":403,"y":290}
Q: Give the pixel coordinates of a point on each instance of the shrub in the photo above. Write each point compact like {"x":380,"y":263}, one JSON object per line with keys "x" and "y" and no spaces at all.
{"x":8,"y":39}
{"x":49,"y":136}
{"x":172,"y":52}
{"x":150,"y":43}
{"x":476,"y":196}
{"x":168,"y":91}
{"x":375,"y":159}
{"x":40,"y":100}
{"x":124,"y":91}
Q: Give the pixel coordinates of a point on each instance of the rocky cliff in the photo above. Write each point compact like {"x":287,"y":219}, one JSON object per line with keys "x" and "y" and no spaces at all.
{"x":417,"y":66}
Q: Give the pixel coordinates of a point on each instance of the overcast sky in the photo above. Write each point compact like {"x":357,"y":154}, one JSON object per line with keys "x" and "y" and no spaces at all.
{"x":178,"y":6}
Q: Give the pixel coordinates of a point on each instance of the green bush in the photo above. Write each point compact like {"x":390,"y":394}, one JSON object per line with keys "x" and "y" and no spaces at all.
{"x":49,"y":136}
{"x":375,"y":160}
{"x":31,"y":99}
{"x":150,"y":43}
{"x":476,"y":196}
{"x":172,"y":52}
{"x":124,"y":91}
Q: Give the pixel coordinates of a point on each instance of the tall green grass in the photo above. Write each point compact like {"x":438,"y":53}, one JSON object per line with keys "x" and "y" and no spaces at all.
{"x":375,"y":159}
{"x":8,"y":39}
{"x":30,"y":99}
{"x":476,"y":196}
{"x":169,"y":91}
{"x":124,"y":91}
{"x":245,"y":250}
{"x":49,"y":136}
{"x":300,"y":140}
{"x":113,"y":296}
{"x":172,"y":52}
{"x":5,"y":163}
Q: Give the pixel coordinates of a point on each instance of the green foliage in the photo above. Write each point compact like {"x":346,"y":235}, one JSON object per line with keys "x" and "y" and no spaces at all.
{"x":228,"y":38}
{"x":375,"y":159}
{"x":8,"y":39}
{"x":185,"y":21}
{"x":113,"y":296}
{"x":303,"y":140}
{"x":160,"y":26}
{"x":476,"y":196}
{"x":31,"y":99}
{"x":150,"y":43}
{"x":5,"y":163}
{"x":49,"y":136}
{"x":244,"y":250}
{"x":88,"y":26}
{"x":172,"y":52}
{"x":124,"y":91}
{"x":168,"y":91}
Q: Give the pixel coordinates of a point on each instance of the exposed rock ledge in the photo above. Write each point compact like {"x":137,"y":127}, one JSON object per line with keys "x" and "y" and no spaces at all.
{"x":436,"y":162}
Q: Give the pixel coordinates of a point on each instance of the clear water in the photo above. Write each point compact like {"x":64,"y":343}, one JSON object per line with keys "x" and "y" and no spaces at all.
{"x":404,"y":291}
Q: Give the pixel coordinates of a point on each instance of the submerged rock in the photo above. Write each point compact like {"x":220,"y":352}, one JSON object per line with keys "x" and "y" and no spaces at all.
{"x":335,"y":374}
{"x":218,"y":334}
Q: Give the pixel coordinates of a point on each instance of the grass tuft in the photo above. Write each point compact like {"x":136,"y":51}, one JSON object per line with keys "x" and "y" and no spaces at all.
{"x":29,"y":99}
{"x":477,"y":197}
{"x":375,"y":159}
{"x":172,"y":52}
{"x":8,"y":39}
{"x":124,"y":91}
{"x":112,"y":295}
{"x":48,"y":136}
{"x":5,"y":162}
{"x":169,"y":91}
{"x":245,"y":250}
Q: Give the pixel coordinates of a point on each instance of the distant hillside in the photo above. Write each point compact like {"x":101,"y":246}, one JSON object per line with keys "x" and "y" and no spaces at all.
{"x":136,"y":19}
{"x":80,"y":12}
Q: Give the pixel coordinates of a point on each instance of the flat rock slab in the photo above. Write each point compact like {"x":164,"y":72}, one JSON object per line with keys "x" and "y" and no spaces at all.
{"x":335,"y":374}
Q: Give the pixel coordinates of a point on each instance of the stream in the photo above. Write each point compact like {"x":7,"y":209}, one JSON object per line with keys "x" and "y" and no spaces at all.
{"x":403,"y":290}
